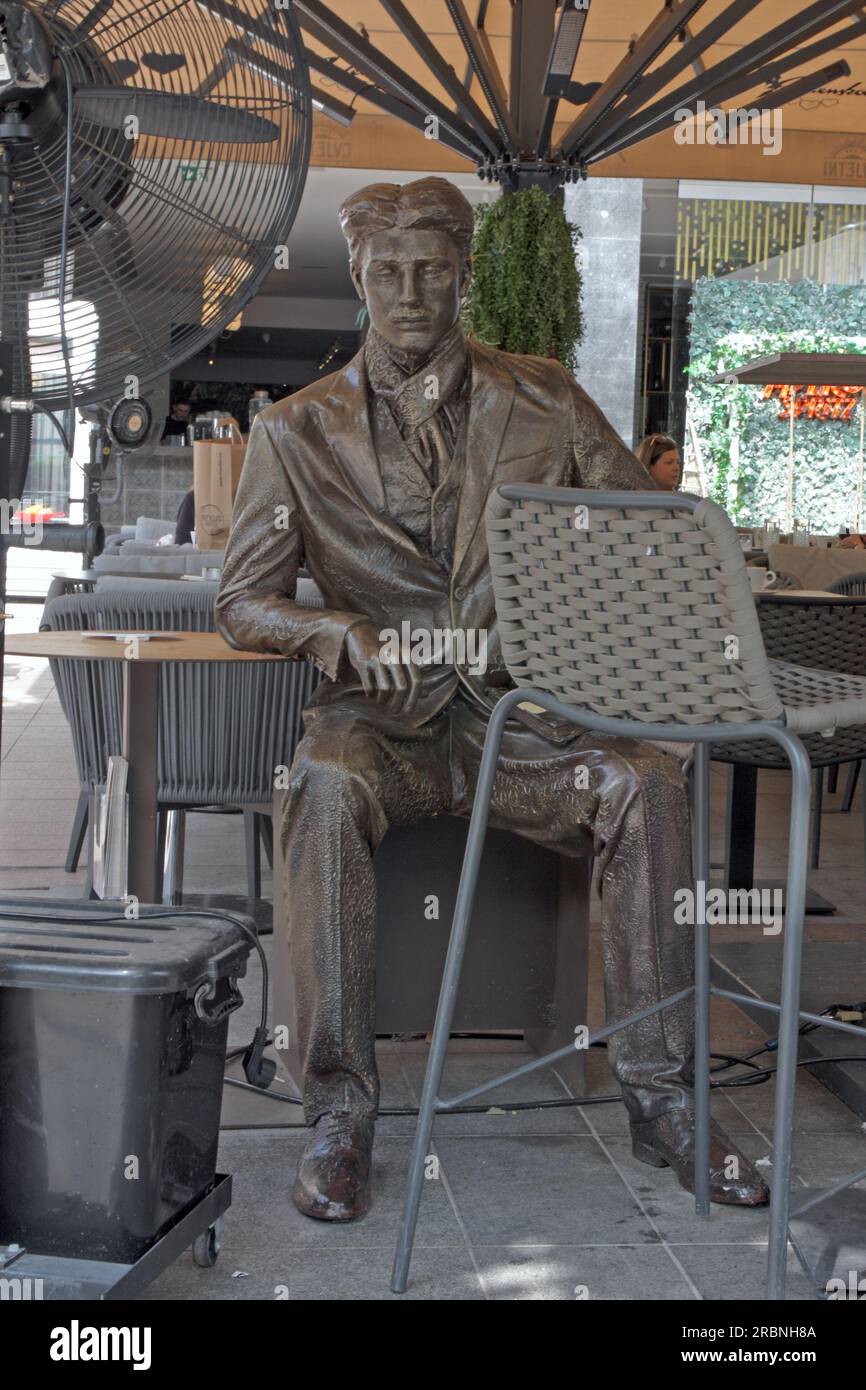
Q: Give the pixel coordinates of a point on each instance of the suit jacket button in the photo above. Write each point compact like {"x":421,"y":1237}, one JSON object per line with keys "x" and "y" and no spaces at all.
{"x":459,"y":593}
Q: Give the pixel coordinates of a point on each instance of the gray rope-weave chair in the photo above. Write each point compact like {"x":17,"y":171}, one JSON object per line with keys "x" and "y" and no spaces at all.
{"x":849,"y":584}
{"x":815,"y":631}
{"x":854,"y":584}
{"x":223,"y":726}
{"x":632,"y":614}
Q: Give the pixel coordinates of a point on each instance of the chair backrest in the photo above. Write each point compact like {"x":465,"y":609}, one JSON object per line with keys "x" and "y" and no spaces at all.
{"x":89,"y":695}
{"x":133,"y":583}
{"x":223,"y":726}
{"x":631,"y":605}
{"x":816,"y":632}
{"x":849,"y":584}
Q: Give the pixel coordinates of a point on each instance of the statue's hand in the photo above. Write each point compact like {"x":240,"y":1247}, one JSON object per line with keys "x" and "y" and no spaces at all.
{"x":395,"y":684}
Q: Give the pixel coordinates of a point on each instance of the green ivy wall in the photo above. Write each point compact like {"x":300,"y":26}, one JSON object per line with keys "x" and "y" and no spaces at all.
{"x":743,"y":443}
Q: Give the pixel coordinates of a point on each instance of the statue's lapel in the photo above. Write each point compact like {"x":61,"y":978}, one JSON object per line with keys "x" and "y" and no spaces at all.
{"x":350,"y":437}
{"x":490,"y":405}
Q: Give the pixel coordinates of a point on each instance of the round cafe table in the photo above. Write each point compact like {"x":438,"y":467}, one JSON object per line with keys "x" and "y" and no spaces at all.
{"x":807,"y":596}
{"x":142,"y":654}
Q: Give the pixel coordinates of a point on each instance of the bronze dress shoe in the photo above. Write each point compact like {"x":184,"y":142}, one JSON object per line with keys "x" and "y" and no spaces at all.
{"x":333,"y":1179}
{"x":669,"y":1142}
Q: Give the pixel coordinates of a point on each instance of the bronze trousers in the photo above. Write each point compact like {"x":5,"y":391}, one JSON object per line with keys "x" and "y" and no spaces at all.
{"x":621,"y":800}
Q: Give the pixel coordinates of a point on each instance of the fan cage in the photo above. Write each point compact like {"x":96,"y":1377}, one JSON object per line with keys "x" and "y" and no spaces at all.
{"x":171,"y":230}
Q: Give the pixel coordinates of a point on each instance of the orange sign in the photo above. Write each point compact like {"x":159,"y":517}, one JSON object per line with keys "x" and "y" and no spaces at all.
{"x":817,"y":402}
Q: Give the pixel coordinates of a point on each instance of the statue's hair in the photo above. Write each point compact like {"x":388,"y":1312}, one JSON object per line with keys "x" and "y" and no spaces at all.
{"x":429,"y":204}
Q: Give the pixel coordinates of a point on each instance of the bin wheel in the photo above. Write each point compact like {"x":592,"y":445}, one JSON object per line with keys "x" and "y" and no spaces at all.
{"x":206,"y":1247}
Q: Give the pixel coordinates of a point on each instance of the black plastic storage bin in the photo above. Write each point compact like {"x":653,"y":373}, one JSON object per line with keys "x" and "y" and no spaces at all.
{"x":112,"y":1049}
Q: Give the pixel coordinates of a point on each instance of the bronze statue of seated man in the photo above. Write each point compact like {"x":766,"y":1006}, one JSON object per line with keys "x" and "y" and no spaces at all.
{"x":375,"y":479}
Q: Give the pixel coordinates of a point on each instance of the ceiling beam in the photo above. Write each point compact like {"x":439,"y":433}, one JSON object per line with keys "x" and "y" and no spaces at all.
{"x":480,"y":21}
{"x":656,"y":81}
{"x":734,"y":74}
{"x":640,"y":56}
{"x":480,"y":56}
{"x":772,"y":73}
{"x":533,"y":31}
{"x":768,"y":100}
{"x":316,"y":19}
{"x":467,"y":106}
{"x":384,"y":100}
{"x":235,"y":51}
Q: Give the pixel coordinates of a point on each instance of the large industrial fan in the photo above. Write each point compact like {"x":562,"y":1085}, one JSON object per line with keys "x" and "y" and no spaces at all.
{"x":152,"y":157}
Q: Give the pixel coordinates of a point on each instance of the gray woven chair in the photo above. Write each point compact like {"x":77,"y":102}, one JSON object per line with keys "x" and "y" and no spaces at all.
{"x":811,"y":631}
{"x":849,"y":584}
{"x":631,"y":614}
{"x":223,"y":727}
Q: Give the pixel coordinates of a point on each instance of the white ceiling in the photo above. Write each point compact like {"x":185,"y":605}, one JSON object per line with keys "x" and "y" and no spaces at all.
{"x":318,"y":260}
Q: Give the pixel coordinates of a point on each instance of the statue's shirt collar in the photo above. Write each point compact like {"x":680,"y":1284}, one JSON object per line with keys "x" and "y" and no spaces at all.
{"x":416,"y":391}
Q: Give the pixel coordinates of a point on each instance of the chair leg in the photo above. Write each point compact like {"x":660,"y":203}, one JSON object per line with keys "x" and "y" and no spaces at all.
{"x":266,"y":827}
{"x":851,"y":785}
{"x":161,"y":834}
{"x":816,"y":817}
{"x":789,"y":1017}
{"x":254,"y":858}
{"x":448,"y":991}
{"x":89,"y":892}
{"x":173,"y":857}
{"x":833,"y":779}
{"x":79,"y":830}
{"x":701,"y":851}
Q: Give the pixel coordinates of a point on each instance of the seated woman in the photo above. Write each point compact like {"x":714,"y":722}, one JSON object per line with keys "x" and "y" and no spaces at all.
{"x":660,"y":456}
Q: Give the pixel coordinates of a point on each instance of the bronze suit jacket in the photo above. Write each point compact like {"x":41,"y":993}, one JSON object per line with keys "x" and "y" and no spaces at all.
{"x":311,"y":496}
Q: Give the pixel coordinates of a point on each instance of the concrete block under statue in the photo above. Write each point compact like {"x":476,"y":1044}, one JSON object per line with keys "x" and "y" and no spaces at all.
{"x":527,"y":959}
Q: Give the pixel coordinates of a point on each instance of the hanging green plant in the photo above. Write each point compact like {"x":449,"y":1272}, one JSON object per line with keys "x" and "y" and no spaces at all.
{"x":526,"y":286}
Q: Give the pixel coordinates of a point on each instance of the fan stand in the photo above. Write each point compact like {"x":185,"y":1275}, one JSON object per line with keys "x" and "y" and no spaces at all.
{"x":100,"y":448}
{"x":5,"y":489}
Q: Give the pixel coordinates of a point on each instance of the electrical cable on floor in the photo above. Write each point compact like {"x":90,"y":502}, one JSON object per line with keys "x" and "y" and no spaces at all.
{"x":757,"y":1076}
{"x":564,"y":1104}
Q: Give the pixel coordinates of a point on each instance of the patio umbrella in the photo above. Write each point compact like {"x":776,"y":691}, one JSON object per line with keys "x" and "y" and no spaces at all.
{"x":844,"y":369}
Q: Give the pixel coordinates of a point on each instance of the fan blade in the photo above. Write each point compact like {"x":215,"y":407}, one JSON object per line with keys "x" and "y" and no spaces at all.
{"x":173,"y":116}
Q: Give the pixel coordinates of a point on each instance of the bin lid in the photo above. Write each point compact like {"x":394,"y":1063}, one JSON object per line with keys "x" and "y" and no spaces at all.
{"x":73,"y":945}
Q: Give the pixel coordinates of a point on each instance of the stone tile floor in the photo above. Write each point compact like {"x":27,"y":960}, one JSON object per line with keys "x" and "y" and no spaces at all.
{"x":528,"y":1205}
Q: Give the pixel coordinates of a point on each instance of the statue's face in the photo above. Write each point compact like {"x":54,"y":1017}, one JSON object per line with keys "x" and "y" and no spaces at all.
{"x":412,"y":282}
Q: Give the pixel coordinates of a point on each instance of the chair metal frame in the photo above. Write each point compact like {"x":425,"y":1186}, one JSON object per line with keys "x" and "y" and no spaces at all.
{"x":788,"y":1011}
{"x":847,"y":584}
